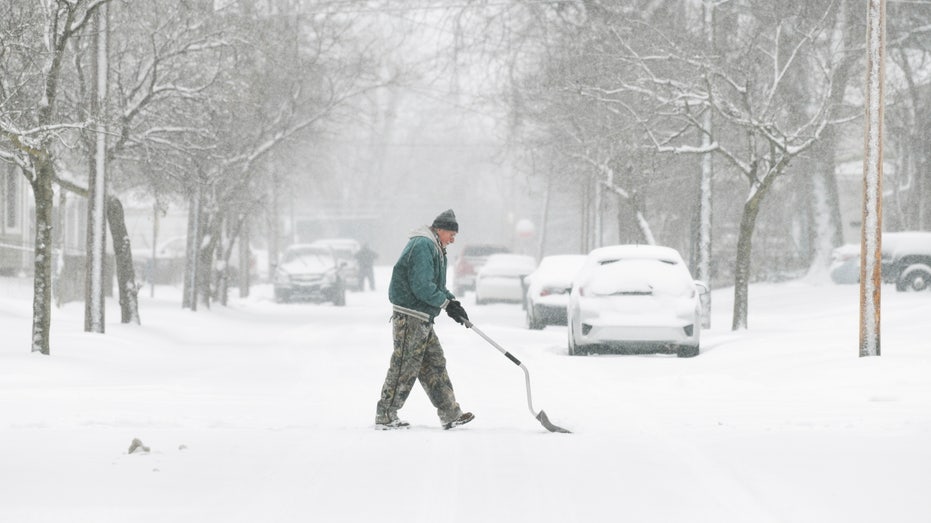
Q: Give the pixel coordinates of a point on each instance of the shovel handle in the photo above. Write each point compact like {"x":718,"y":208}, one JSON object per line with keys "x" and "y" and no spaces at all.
{"x":541,"y":416}
{"x":470,"y":325}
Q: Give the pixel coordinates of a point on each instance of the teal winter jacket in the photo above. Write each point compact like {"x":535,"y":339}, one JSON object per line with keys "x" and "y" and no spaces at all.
{"x":418,"y":281}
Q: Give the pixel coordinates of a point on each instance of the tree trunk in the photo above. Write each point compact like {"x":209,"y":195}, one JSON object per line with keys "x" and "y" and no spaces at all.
{"x":744,"y":251}
{"x":221,"y":269}
{"x":42,"y":283}
{"x":703,"y":256}
{"x":125,"y":274}
{"x":192,"y":253}
{"x":640,"y":220}
{"x":827,"y":229}
{"x":703,"y":267}
{"x":245,"y":261}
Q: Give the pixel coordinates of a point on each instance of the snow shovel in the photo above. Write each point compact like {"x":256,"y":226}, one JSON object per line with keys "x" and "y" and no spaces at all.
{"x":541,"y":416}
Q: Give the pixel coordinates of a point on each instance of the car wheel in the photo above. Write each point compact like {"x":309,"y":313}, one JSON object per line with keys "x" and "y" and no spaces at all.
{"x":574,"y":348}
{"x":281,"y":297}
{"x":339,"y":296}
{"x":532,"y":321}
{"x":916,"y":278}
{"x":687,"y":351}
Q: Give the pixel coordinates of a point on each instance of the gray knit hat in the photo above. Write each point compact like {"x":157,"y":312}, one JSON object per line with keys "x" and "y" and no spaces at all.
{"x":446,"y":220}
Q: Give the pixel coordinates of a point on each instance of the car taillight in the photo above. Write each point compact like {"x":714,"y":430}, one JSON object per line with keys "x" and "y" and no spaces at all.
{"x":465,"y":267}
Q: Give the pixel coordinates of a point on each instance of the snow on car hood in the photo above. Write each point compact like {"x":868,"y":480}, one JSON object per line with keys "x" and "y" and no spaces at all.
{"x":309,"y":264}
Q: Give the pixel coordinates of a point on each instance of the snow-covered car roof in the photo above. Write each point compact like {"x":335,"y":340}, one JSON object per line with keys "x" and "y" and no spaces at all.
{"x":907,"y":242}
{"x":508,"y":265}
{"x":894,"y":244}
{"x":558,"y":268}
{"x":616,"y":252}
{"x":642,"y":275}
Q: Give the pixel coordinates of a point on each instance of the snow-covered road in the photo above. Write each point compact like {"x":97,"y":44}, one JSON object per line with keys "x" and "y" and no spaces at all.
{"x":263,"y":412}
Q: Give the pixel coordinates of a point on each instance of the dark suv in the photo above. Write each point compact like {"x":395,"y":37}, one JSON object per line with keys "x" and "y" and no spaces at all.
{"x":468,"y":263}
{"x":906,"y":260}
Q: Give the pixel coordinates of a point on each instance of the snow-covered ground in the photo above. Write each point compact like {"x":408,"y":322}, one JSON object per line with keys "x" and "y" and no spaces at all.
{"x":260,"y":412}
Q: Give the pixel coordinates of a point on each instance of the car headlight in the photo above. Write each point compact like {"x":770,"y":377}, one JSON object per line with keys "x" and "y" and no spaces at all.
{"x":282,"y":277}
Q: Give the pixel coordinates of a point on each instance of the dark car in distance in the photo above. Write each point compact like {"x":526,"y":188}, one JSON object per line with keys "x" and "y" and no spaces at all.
{"x":906,"y":261}
{"x":470,"y":260}
{"x":309,"y":273}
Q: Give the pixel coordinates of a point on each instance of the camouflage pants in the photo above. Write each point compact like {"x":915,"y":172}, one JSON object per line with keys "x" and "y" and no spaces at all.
{"x":417,"y":355}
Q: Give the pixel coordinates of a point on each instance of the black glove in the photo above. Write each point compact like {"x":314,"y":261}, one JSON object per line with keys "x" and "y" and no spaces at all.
{"x":456,"y":312}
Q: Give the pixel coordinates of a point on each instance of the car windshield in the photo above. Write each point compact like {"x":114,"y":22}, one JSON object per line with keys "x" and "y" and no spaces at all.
{"x":343,"y":252}
{"x":509,"y":265}
{"x":343,"y":248}
{"x":640,"y":276}
{"x":561,"y":265}
{"x":307,"y":253}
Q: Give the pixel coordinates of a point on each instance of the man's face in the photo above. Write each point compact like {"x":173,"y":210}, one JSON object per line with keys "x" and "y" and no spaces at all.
{"x":446,"y":237}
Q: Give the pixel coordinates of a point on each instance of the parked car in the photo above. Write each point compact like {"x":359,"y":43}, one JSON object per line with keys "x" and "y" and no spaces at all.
{"x":548,"y":289}
{"x":309,"y":272}
{"x":469,"y":262}
{"x":845,"y":264}
{"x":635,"y":298}
{"x":345,"y":250}
{"x":906,"y":261}
{"x":500,"y":278}
{"x":167,"y":265}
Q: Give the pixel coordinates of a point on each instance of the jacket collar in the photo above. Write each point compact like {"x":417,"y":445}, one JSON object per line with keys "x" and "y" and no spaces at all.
{"x":427,"y":232}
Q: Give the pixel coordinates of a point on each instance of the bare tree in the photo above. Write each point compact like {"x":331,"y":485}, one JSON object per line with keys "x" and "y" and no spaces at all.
{"x":664,"y":77}
{"x":289,"y":73}
{"x":33,"y":129}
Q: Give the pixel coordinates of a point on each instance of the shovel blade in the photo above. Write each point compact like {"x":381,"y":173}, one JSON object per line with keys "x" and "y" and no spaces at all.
{"x":545,"y":421}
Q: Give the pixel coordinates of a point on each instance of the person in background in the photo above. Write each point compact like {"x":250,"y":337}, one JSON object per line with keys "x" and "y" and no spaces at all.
{"x":366,"y":258}
{"x":418,"y":293}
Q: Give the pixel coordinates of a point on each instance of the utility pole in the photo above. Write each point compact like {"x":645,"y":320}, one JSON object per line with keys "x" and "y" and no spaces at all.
{"x":871,"y":233}
{"x":96,"y":247}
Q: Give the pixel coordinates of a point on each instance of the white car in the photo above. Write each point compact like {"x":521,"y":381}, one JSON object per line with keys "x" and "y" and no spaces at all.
{"x":548,"y":289}
{"x":635,"y":298}
{"x":500,"y":278}
{"x":309,"y":272}
{"x":345,"y":250}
